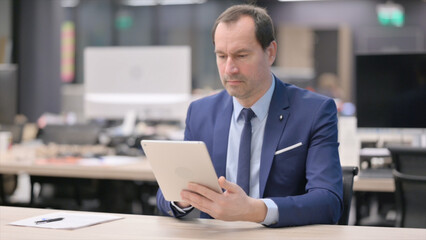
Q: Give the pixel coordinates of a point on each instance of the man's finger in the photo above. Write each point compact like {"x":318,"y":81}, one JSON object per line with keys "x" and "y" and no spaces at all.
{"x":203,"y":191}
{"x":196,"y":200}
{"x":227,"y":185}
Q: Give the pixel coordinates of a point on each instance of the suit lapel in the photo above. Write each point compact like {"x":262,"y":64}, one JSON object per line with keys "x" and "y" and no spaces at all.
{"x":220,"y":138}
{"x":273,"y":130}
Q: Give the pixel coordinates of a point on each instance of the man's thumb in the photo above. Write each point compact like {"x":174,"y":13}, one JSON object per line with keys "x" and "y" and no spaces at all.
{"x":225,"y":184}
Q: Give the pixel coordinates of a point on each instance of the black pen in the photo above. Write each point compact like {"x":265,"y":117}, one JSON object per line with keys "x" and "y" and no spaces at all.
{"x":48,"y":220}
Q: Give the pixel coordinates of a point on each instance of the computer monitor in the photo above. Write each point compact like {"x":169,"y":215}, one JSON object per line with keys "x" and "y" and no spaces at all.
{"x":8,"y":93}
{"x":153,"y":81}
{"x":391,"y":90}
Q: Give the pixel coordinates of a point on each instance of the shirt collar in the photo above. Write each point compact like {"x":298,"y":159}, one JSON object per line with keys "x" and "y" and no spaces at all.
{"x":261,"y":107}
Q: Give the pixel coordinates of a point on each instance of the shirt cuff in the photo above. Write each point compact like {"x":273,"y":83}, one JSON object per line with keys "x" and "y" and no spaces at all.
{"x":272,"y":213}
{"x":181,"y":210}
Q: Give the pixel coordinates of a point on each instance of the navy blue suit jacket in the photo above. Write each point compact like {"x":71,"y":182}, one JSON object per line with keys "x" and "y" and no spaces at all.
{"x":306,"y":182}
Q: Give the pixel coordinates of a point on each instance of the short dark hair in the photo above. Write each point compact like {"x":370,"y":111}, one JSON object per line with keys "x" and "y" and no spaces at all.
{"x":264,"y":29}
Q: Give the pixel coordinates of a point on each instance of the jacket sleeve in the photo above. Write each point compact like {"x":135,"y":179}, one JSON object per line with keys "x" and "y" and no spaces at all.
{"x":322,"y":201}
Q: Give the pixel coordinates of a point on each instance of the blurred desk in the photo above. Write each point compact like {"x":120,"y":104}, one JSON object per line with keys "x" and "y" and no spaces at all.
{"x":118,"y":186}
{"x":140,"y":170}
{"x":374,"y":185}
{"x":155,"y":227}
{"x":374,"y":180}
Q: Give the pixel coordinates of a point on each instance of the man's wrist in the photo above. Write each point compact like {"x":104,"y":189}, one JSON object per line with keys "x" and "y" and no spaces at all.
{"x":258,"y":211}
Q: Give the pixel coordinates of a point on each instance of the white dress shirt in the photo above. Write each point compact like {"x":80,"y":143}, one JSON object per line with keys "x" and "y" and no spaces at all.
{"x":260,"y":108}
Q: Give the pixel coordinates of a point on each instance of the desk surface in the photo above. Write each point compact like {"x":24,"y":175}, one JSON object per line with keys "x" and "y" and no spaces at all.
{"x":134,"y":171}
{"x":142,"y":171}
{"x":371,"y":184}
{"x":155,"y":227}
{"x":374,"y":180}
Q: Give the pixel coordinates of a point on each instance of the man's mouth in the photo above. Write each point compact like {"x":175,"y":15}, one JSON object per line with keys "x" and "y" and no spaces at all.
{"x":234,"y":79}
{"x":233,"y":82}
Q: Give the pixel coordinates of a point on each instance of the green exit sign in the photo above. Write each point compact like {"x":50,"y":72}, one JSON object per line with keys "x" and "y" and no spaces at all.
{"x":390,"y":14}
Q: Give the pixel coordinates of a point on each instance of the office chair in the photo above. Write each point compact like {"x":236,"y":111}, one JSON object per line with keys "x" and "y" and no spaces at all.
{"x":410,"y":186}
{"x":348,"y":180}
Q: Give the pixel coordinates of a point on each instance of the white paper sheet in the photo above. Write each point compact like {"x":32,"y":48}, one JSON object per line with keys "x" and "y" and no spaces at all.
{"x":69,"y":221}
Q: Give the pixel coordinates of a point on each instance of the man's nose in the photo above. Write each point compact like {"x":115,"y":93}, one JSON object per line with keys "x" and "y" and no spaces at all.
{"x":230,"y":68}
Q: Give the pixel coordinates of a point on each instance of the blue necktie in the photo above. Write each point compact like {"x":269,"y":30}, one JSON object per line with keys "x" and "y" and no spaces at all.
{"x":243,"y":175}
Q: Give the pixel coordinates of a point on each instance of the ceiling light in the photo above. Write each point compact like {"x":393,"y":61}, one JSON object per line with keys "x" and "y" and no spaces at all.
{"x":299,"y":0}
{"x":181,"y":2}
{"x":138,"y":3}
{"x":69,"y":3}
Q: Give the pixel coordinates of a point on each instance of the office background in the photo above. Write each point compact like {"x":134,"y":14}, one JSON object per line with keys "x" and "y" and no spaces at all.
{"x":317,"y":40}
{"x":314,"y":37}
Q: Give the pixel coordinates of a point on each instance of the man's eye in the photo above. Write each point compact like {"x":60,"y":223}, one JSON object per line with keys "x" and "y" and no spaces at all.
{"x":221,"y":56}
{"x":242,"y":55}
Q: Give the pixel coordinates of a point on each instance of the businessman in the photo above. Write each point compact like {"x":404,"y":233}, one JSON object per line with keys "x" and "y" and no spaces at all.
{"x":273,"y":145}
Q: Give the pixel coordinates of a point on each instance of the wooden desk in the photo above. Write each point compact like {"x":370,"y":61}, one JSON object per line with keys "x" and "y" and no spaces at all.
{"x":155,"y":227}
{"x":142,"y":171}
{"x":374,"y":184}
{"x":137,"y":171}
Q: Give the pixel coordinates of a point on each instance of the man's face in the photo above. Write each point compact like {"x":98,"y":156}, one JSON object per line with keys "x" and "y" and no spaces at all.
{"x":244,"y":67}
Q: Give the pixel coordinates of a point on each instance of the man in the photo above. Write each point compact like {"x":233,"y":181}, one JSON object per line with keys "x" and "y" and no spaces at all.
{"x":283,"y":186}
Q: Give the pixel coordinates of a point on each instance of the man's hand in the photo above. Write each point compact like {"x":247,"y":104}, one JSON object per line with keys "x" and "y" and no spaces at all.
{"x":231,"y":205}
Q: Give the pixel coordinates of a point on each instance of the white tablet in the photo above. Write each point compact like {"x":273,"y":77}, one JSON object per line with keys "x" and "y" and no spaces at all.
{"x":176,"y":163}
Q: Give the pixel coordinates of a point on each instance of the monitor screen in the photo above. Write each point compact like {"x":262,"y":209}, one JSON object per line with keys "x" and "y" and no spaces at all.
{"x":153,"y":81}
{"x":391,"y":90}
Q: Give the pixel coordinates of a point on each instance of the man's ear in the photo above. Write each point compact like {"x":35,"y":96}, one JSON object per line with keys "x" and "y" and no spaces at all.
{"x":271,"y":52}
